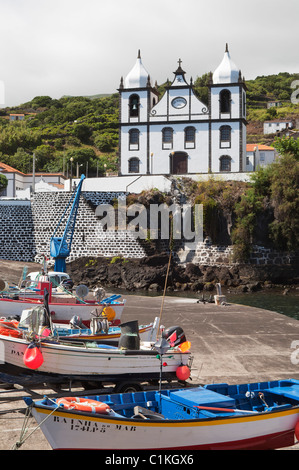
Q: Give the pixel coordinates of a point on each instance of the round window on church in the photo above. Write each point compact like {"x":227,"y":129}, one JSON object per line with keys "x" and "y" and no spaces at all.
{"x":179,"y":102}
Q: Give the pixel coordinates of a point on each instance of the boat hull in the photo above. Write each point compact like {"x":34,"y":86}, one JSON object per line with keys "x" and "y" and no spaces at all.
{"x":81,"y":361}
{"x":60,"y":312}
{"x":68,"y":430}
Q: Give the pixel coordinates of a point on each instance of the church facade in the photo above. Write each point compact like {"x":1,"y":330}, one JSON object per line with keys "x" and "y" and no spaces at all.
{"x":179,"y":134}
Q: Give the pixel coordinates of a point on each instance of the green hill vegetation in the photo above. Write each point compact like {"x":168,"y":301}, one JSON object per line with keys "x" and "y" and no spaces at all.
{"x":86,"y":128}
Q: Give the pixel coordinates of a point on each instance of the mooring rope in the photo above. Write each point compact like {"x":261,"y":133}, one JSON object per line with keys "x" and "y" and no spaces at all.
{"x":24,"y":429}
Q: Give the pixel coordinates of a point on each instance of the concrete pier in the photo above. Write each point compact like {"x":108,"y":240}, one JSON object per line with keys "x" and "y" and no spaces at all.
{"x":230,"y":343}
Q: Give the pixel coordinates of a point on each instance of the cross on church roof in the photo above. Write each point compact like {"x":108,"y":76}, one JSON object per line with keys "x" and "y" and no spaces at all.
{"x":179,"y":70}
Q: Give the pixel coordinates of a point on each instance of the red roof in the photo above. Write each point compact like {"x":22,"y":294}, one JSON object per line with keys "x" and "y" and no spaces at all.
{"x":9,"y":169}
{"x":252,"y":147}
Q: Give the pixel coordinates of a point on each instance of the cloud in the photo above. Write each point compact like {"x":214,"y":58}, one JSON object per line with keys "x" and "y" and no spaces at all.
{"x":72,"y":47}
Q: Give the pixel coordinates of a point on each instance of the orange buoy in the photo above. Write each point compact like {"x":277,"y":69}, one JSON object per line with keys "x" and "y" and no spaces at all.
{"x":84,"y":404}
{"x":110,"y":313}
{"x":185,"y":347}
{"x":33,"y":357}
{"x":183,"y":372}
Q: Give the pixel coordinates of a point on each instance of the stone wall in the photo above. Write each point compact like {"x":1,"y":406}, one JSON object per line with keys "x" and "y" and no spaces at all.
{"x":89,"y":237}
{"x":26,"y":229}
{"x":16,"y":231}
{"x":218,"y":255}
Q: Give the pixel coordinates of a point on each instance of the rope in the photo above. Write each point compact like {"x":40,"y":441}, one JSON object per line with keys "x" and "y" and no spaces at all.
{"x":24,"y":429}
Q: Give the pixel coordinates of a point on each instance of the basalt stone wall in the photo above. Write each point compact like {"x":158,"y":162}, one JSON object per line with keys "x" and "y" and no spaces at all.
{"x":26,"y":229}
{"x":89,"y":237}
{"x":16,"y":231}
{"x":216,"y":255}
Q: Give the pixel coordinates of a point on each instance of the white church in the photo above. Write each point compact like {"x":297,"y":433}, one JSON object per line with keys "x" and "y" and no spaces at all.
{"x":178,"y":134}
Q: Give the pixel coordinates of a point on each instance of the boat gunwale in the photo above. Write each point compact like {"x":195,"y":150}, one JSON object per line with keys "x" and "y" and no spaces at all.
{"x":39,"y":302}
{"x":259,"y":415}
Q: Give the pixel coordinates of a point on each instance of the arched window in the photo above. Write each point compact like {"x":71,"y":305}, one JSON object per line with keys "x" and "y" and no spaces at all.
{"x":167,"y":138}
{"x":225,"y":136}
{"x":134,"y":106}
{"x":190,"y":137}
{"x":134,"y":165}
{"x":225,"y":101}
{"x":225,"y":163}
{"x":134,"y":139}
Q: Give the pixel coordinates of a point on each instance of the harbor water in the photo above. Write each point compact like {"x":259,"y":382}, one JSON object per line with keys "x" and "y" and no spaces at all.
{"x":273,"y":299}
{"x":276,"y":301}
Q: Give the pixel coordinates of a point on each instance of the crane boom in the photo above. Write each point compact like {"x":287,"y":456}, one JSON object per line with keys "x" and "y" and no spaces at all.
{"x":60,"y":247}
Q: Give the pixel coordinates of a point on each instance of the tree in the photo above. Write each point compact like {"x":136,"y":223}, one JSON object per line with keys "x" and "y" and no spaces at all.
{"x":284,"y":192}
{"x":105,"y":142}
{"x":3,"y":182}
{"x":82,"y":132}
{"x":41,"y":102}
{"x":275,"y":188}
{"x":287,"y":145}
{"x":44,"y":155}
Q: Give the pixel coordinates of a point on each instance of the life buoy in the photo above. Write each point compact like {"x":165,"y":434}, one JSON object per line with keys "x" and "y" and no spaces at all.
{"x":9,"y":323}
{"x":84,"y":404}
{"x":10,"y":330}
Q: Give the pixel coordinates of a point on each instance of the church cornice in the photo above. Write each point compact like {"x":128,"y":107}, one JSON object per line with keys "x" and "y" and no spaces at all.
{"x":227,"y":85}
{"x":184,"y":121}
{"x":136,"y":90}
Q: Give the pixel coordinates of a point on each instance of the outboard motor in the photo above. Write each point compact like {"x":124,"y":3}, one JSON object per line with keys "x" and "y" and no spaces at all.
{"x":67,"y":284}
{"x":75,"y":322}
{"x":174,"y":335}
{"x":129,"y":337}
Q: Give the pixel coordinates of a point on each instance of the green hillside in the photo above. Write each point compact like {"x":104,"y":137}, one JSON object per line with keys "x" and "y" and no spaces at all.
{"x":86,"y":128}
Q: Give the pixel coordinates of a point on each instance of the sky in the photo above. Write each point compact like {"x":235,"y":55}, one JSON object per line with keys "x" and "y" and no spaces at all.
{"x":72,"y":47}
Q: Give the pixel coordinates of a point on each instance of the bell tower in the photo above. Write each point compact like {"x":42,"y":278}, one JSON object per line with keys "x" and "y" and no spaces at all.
{"x":228,"y":118}
{"x":136,"y":98}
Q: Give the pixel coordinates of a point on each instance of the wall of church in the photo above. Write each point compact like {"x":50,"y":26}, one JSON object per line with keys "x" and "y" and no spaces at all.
{"x":197,"y":157}
{"x":218,"y":149}
{"x":129,"y":152}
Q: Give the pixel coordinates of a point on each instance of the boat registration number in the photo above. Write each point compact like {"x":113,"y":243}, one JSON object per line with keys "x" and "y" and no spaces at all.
{"x":92,"y":426}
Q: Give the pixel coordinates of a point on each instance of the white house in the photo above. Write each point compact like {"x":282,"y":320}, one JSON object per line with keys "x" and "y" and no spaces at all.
{"x":19,"y":182}
{"x":259,"y":155}
{"x":277,"y":125}
{"x":179,"y":134}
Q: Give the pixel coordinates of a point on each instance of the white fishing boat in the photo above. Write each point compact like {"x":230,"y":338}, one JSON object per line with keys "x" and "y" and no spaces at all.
{"x":64,"y":306}
{"x":99,"y":330}
{"x":37,"y":349}
{"x":30,"y":286}
{"x":214,"y":417}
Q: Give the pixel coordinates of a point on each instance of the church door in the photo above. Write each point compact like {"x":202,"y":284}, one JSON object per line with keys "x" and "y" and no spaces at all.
{"x":178,"y":163}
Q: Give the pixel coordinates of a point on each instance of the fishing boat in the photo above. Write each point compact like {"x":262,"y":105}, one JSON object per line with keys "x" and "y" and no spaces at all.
{"x":64,"y":306}
{"x":29,"y":286}
{"x":38,"y":350}
{"x":211,"y":417}
{"x":99,"y":330}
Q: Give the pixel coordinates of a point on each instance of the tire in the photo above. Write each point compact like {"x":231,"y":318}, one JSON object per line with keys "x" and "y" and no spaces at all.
{"x":127,"y":387}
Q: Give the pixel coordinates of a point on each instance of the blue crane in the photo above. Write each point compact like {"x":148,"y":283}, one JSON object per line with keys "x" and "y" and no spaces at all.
{"x":60,"y":247}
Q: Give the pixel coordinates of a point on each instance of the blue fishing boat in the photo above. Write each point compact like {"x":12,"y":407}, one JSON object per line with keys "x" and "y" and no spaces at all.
{"x":217,"y":416}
